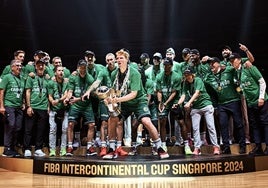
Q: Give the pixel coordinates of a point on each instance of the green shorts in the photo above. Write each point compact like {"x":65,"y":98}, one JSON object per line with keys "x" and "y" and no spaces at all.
{"x":103,"y":111}
{"x":163,"y":114}
{"x":85,"y":112}
{"x":140,"y":110}
{"x":154,"y":112}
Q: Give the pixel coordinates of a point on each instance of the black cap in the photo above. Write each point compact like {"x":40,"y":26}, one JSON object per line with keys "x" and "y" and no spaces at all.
{"x":144,"y":56}
{"x":88,"y":52}
{"x":82,"y":62}
{"x":234,"y":56}
{"x":157,"y":54}
{"x":188,"y":70}
{"x":42,"y":60}
{"x":168,"y":61}
{"x":213,"y":60}
{"x":194,"y":51}
{"x":186,"y":51}
{"x":40,"y":53}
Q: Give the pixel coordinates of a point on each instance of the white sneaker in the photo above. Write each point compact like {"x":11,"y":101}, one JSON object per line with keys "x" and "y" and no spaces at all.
{"x":164,"y":148}
{"x":27,"y":153}
{"x":127,"y":142}
{"x":139,"y":140}
{"x":39,"y":153}
{"x":76,"y":144}
{"x":97,"y":142}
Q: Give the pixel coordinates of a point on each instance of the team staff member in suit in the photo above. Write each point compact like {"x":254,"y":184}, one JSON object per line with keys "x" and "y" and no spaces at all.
{"x":11,"y":105}
{"x":37,"y":110}
{"x":229,"y":103}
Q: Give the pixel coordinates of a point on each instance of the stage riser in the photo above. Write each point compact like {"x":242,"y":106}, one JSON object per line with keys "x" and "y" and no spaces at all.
{"x":140,"y":165}
{"x":173,"y":150}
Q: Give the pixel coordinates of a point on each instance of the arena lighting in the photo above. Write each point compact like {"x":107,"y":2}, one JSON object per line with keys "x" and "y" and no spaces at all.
{"x":246,"y":22}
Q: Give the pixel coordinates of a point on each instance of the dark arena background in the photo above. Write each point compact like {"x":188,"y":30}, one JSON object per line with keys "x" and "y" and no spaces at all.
{"x":68,"y":28}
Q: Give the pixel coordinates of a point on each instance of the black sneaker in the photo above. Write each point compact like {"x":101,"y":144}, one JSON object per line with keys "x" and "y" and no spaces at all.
{"x":91,"y":151}
{"x":226,"y":150}
{"x":169,"y":142}
{"x":257,"y":150}
{"x":146,"y":143}
{"x":162,"y":153}
{"x":242,"y":150}
{"x":8,"y":153}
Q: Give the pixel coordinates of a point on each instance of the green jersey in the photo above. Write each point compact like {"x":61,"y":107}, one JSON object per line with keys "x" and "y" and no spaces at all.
{"x":94,"y":72}
{"x":13,"y":87}
{"x":223,"y":84}
{"x":7,"y":70}
{"x":57,"y":90}
{"x":104,"y":77}
{"x":166,"y":84}
{"x":131,"y":82}
{"x":153,"y":71}
{"x":79,"y":86}
{"x":189,"y":89}
{"x":39,"y":94}
{"x":249,"y":82}
{"x":149,"y":87}
{"x":202,"y":70}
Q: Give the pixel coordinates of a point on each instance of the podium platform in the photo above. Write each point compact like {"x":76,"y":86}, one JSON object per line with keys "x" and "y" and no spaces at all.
{"x":141,"y":165}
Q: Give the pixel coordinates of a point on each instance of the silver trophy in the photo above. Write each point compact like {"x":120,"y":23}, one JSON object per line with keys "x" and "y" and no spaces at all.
{"x":103,"y":92}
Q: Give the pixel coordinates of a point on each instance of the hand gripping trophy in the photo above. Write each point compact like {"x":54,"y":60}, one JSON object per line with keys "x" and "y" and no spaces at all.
{"x":108,"y":95}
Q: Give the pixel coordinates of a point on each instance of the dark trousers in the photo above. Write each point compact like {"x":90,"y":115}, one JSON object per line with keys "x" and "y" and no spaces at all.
{"x":35,"y":126}
{"x":225,"y":111}
{"x":13,"y":125}
{"x":258,"y":119}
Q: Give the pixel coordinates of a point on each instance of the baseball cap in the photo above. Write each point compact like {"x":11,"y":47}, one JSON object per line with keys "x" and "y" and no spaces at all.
{"x":188,"y":70}
{"x":170,"y":50}
{"x":82,"y":62}
{"x":168,"y":61}
{"x":144,"y":56}
{"x":42,"y":60}
{"x":194,"y":51}
{"x":186,"y":51}
{"x":40,"y":53}
{"x":213,"y":60}
{"x":88,"y":52}
{"x":234,"y":56}
{"x":157,"y":54}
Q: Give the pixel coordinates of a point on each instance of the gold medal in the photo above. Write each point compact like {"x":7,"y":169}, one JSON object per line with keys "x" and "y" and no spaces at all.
{"x":219,"y":88}
{"x":238,"y":89}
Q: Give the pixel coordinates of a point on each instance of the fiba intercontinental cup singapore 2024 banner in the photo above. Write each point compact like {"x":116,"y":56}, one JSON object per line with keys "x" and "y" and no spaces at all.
{"x":156,"y":168}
